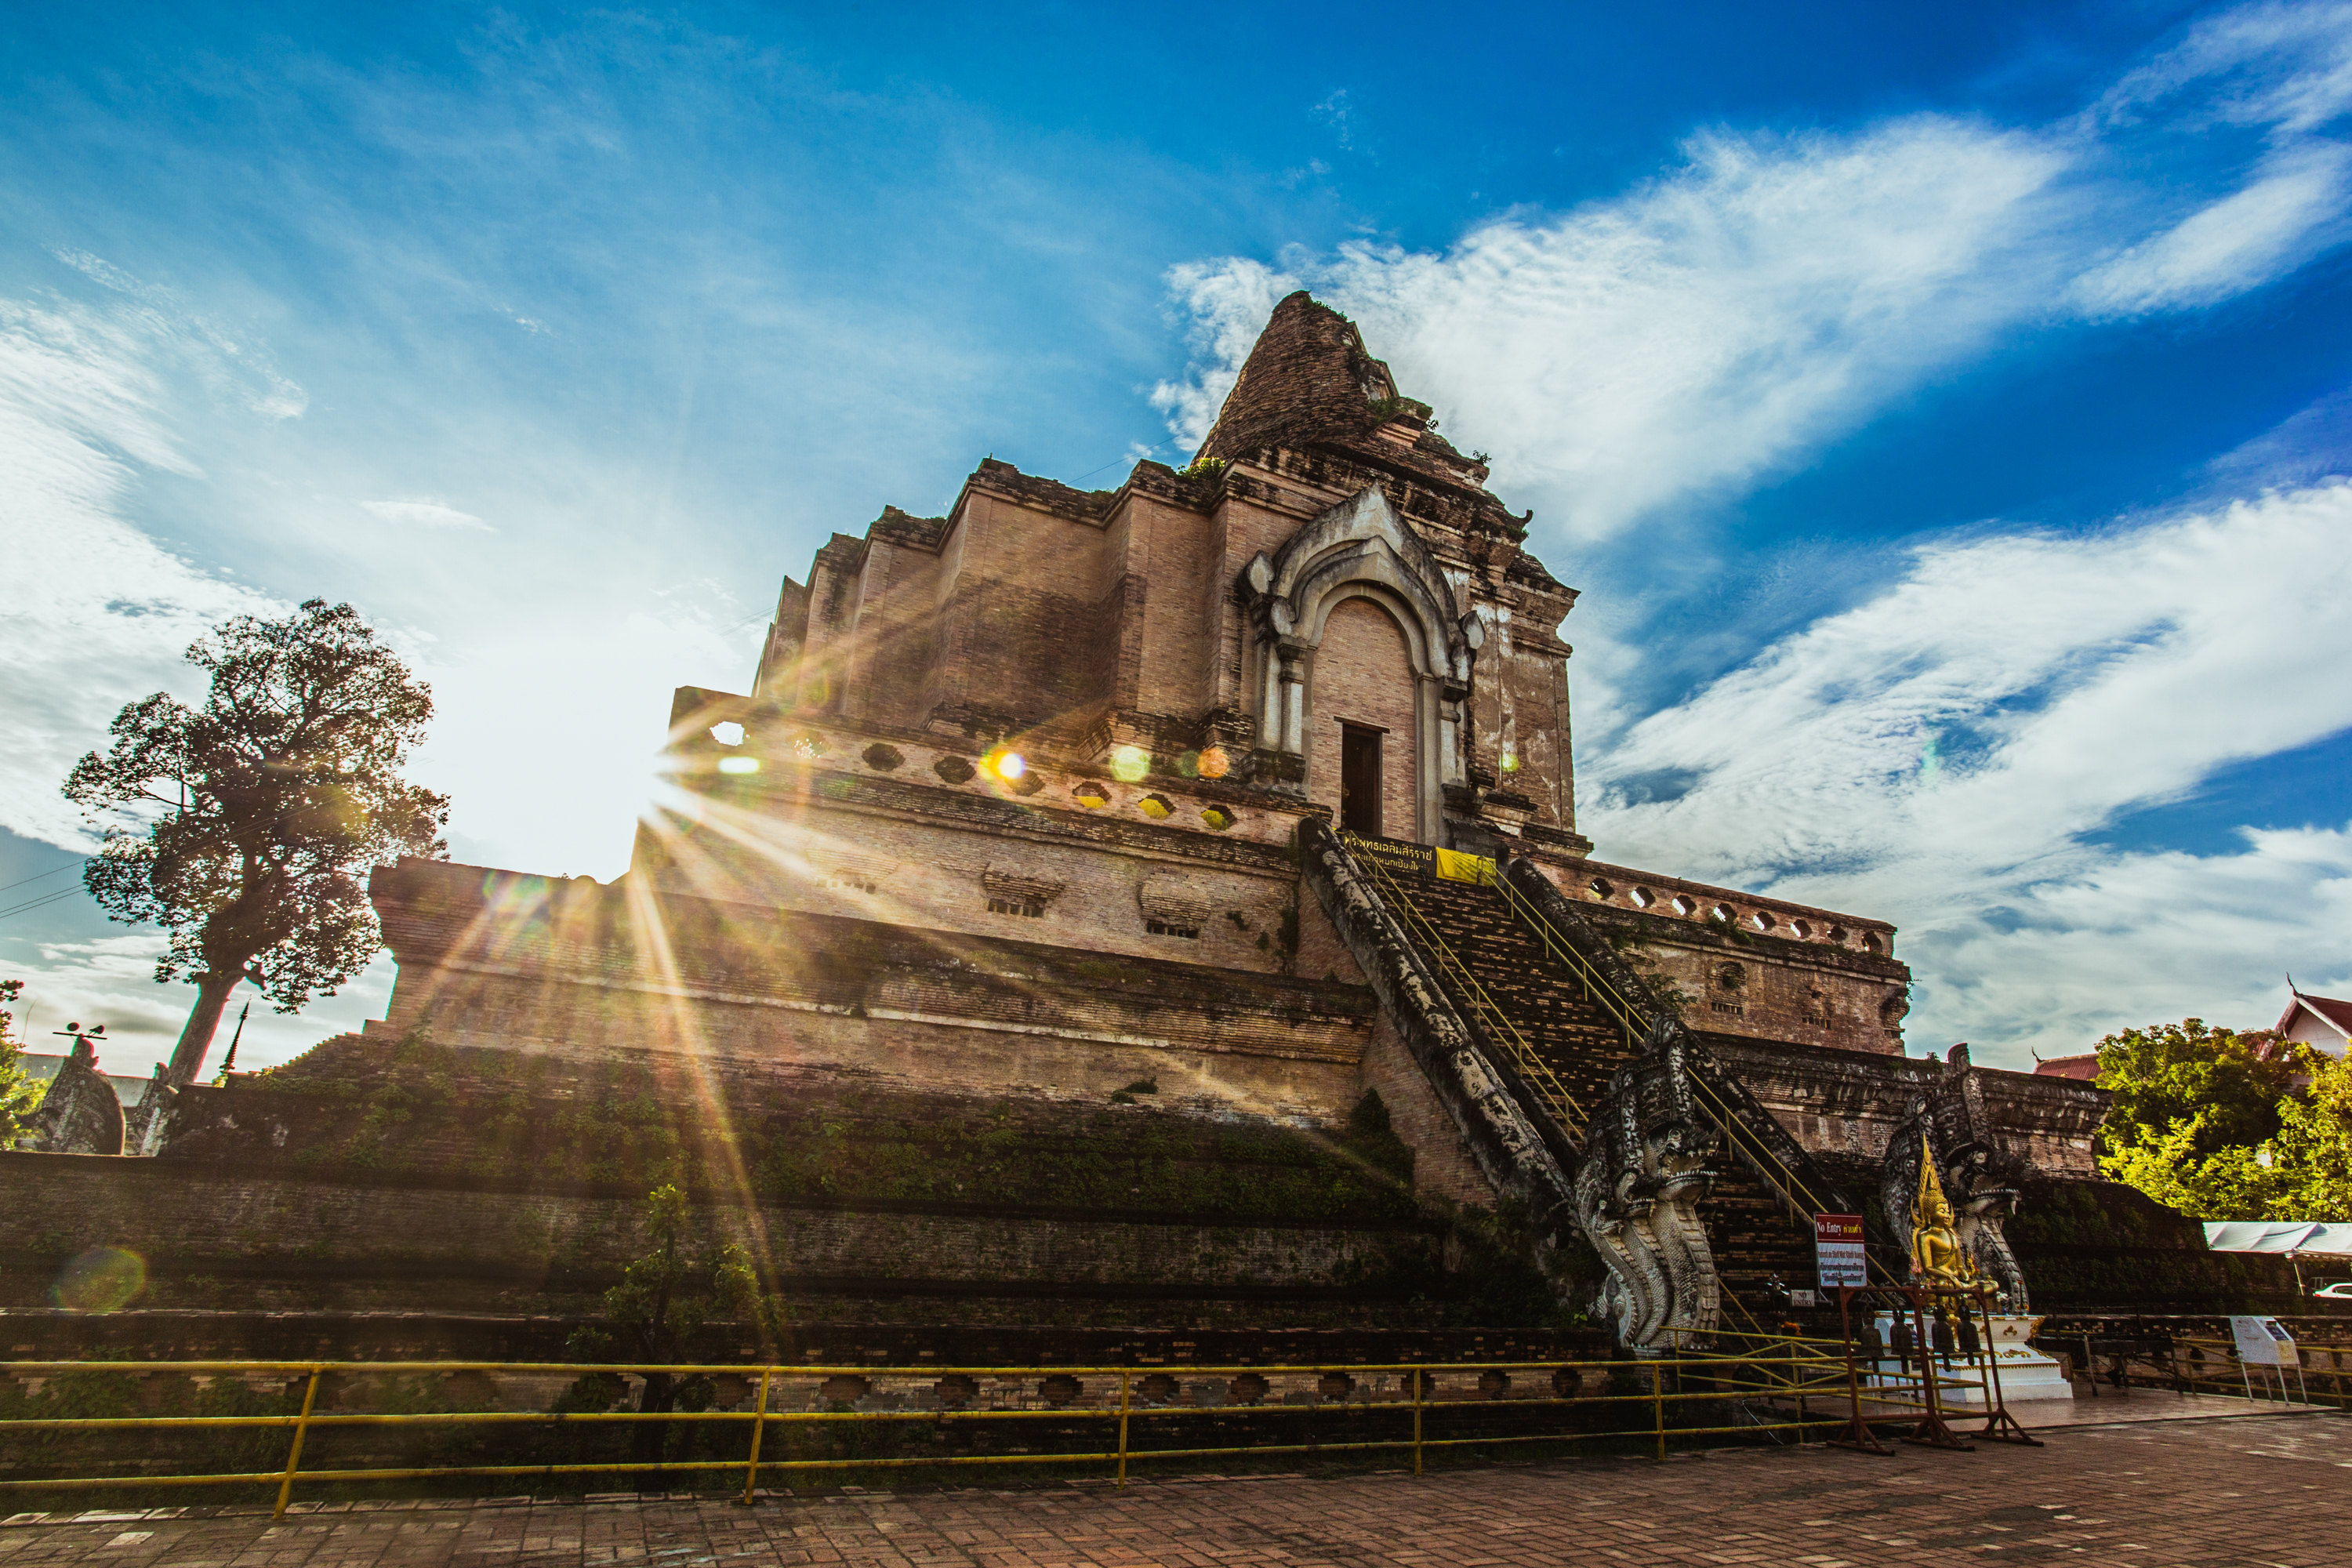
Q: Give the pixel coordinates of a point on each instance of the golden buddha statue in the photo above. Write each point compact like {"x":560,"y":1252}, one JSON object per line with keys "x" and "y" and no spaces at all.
{"x":1936,"y":1255}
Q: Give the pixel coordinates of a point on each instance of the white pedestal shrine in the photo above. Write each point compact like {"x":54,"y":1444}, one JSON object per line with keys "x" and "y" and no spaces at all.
{"x":2026,"y":1374}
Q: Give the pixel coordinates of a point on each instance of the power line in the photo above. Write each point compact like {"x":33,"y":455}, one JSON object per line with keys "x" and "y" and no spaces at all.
{"x":36,"y":903}
{"x":44,"y":876}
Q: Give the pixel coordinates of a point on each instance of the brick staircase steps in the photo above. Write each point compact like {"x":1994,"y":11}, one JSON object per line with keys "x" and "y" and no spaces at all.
{"x":1581,"y":1043}
{"x":1754,"y":1238}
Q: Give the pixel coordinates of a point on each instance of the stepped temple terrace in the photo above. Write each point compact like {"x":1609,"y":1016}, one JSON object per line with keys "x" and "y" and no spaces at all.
{"x":1144,"y":929}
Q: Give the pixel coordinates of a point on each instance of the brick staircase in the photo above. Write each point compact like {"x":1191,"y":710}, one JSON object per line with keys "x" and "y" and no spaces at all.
{"x":1489,"y":965}
{"x":1507,"y":968}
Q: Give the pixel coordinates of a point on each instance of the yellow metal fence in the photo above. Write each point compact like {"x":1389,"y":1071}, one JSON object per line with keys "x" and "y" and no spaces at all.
{"x":1770,"y":1386}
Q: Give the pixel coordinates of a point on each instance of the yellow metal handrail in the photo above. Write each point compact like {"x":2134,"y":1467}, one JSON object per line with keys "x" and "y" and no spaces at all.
{"x":1564,"y":1107}
{"x":1749,"y":1372}
{"x":1596,"y":984}
{"x":1631,"y":1019}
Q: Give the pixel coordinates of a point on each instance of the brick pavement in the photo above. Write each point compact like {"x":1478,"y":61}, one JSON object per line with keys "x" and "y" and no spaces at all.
{"x":2258,"y":1491}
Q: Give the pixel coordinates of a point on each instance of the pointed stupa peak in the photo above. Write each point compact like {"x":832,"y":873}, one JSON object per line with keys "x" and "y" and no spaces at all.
{"x":1307,"y":379}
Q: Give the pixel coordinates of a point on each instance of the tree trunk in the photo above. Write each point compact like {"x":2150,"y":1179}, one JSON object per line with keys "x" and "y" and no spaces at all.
{"x":204,"y":1021}
{"x":649,"y":1440}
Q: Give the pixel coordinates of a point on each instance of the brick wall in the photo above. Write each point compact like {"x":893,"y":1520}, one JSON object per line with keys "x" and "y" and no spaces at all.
{"x":291,"y":1239}
{"x":1363,"y":675}
{"x":1441,"y":1164}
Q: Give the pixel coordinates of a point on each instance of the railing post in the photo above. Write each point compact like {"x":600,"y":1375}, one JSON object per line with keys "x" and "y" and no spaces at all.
{"x":1123,"y":1376}
{"x":758,"y":1430}
{"x":294,"y":1454}
{"x":1415,"y":1375}
{"x":1658,"y":1404}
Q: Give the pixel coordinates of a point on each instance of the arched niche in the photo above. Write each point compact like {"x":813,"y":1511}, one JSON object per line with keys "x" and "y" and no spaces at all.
{"x":1359,"y":549}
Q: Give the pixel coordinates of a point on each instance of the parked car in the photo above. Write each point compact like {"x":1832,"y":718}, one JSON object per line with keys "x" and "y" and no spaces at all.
{"x":2339,"y":1291}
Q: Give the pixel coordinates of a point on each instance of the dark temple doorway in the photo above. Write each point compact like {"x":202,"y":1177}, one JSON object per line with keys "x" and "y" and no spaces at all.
{"x":1360,"y":780}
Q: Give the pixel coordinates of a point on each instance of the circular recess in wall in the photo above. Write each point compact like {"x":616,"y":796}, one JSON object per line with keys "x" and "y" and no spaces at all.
{"x":1155,"y":807}
{"x":1602,"y":889}
{"x":1028,"y":784}
{"x":881,"y":756}
{"x":1090,"y":794}
{"x":1218,"y":818}
{"x":954,"y":770}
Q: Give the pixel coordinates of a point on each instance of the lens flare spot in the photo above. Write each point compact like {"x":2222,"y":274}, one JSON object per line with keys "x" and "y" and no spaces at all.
{"x":1007,"y":764}
{"x":739,"y":765}
{"x":103,"y":1279}
{"x":1129,"y":763}
{"x":1214,"y":763}
{"x":730,"y":733}
{"x":1510,"y":762}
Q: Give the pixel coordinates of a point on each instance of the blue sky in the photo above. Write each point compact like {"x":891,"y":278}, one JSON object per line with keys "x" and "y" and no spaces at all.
{"x":1941,"y":408}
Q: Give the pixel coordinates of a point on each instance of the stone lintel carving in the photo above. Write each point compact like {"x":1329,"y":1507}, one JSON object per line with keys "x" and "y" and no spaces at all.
{"x":1175,"y":900}
{"x":1358,"y":545}
{"x":80,"y":1114}
{"x":1981,"y":1180}
{"x":1017,"y":888}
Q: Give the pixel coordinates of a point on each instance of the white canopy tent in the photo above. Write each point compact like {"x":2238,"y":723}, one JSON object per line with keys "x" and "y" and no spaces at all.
{"x":2283,"y":1237}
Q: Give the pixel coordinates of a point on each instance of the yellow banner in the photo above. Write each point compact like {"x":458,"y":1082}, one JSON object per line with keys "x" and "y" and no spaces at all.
{"x":1454,"y":866}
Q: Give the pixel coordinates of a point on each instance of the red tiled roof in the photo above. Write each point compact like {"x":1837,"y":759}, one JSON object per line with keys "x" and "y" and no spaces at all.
{"x":2084,"y":1068}
{"x":2337,"y":1013}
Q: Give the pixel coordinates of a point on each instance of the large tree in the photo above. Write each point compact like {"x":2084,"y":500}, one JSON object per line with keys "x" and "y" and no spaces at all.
{"x":2227,"y":1124}
{"x":18,"y":1093}
{"x":245,"y":827}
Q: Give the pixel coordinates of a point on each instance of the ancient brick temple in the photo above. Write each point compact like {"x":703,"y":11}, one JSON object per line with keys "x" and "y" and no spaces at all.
{"x":1155,"y":905}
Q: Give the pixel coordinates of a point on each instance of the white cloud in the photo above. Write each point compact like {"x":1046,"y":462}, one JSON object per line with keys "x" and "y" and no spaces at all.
{"x":425,"y":514}
{"x":2243,"y":239}
{"x":97,"y":614}
{"x":1774,"y":292}
{"x":1937,"y":756}
{"x":1696,"y":332}
{"x":2287,"y":68}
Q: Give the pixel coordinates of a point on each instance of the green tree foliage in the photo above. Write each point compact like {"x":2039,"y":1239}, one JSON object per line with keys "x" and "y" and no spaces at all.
{"x":664,"y":1300}
{"x":245,"y":827}
{"x":2227,"y":1124}
{"x":18,"y":1093}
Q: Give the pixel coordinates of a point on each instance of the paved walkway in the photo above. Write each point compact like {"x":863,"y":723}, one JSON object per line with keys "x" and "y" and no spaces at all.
{"x":2262,"y":1491}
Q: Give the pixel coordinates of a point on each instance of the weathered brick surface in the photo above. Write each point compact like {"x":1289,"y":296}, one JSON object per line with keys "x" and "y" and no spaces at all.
{"x":2255,"y":1492}
{"x":1363,"y":675}
{"x":358,"y":1239}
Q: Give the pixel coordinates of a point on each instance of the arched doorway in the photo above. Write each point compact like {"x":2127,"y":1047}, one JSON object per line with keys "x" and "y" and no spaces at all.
{"x":1363,"y":733}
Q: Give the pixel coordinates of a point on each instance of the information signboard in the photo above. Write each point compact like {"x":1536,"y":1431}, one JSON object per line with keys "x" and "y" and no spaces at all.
{"x":1837,"y":1250}
{"x":2263,"y":1341}
{"x":1414,"y":862}
{"x":1420,"y":862}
